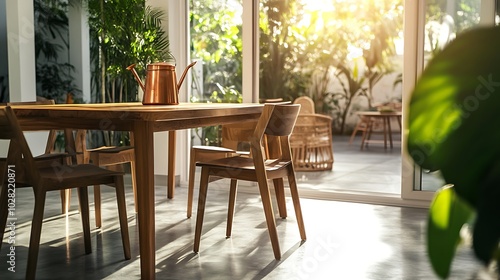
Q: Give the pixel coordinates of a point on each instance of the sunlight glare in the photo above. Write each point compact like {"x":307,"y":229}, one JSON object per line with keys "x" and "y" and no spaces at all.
{"x":319,"y":5}
{"x":354,"y":52}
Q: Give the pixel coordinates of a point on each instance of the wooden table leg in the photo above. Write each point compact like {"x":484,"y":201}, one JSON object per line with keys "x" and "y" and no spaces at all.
{"x":384,"y":124}
{"x":390,"y":130}
{"x":171,"y":164}
{"x":144,"y":155}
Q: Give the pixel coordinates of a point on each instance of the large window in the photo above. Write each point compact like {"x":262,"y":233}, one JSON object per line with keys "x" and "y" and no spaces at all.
{"x":216,"y":43}
{"x":444,"y":19}
{"x":346,"y":56}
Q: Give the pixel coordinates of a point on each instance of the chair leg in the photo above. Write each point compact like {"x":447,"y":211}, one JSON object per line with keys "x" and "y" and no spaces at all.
{"x":3,"y":211}
{"x":355,"y":131}
{"x":202,"y":196}
{"x":230,"y":209}
{"x":36,"y":229}
{"x":192,"y":169}
{"x":279,"y":189}
{"x":84,"y":213}
{"x":134,"y":185}
{"x":97,"y":206}
{"x":367,"y":133}
{"x":296,"y":203}
{"x":269,"y":213}
{"x":65,"y":200}
{"x":122,"y":214}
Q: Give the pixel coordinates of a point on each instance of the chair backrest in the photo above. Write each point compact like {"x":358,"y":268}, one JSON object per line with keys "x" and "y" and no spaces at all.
{"x":276,"y":123}
{"x":19,"y":154}
{"x":306,"y":103}
{"x":51,"y":139}
{"x":235,"y":135}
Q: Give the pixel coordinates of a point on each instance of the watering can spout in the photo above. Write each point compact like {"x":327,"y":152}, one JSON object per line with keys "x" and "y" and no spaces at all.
{"x":179,"y":84}
{"x":136,"y":76}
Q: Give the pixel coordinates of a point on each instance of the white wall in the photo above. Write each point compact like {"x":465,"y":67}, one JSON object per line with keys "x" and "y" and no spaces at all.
{"x":21,"y":61}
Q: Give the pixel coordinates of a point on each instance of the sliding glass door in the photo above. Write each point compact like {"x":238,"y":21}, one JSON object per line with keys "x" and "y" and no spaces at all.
{"x":348,"y":56}
{"x":431,"y":25}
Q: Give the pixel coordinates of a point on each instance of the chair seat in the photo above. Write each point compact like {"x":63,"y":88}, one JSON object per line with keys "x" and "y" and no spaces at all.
{"x":243,"y":163}
{"x":76,"y":175}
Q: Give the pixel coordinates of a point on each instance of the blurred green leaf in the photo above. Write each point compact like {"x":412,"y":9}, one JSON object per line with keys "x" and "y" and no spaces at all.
{"x":447,"y":214}
{"x":456,"y":96}
{"x":454,"y":127}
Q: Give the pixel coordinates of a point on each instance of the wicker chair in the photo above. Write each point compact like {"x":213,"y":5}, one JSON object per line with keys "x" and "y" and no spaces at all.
{"x":311,"y":140}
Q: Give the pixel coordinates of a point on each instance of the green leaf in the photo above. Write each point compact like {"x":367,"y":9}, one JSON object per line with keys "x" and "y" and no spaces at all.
{"x":486,"y":233}
{"x":455,"y":98}
{"x":447,"y":214}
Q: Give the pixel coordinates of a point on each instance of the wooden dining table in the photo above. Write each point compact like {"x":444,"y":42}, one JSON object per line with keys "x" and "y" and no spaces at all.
{"x":143,"y":121}
{"x":386,"y":117}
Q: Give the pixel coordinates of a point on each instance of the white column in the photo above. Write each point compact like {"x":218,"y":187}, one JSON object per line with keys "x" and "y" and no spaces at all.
{"x":487,"y":15}
{"x":3,"y":41}
{"x":177,"y":26}
{"x":179,"y":38}
{"x":79,"y":51}
{"x":21,"y":50}
{"x":250,"y":72}
{"x":21,"y":56}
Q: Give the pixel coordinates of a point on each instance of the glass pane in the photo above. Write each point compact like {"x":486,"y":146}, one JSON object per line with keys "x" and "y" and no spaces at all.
{"x":444,"y":19}
{"x":216,"y":43}
{"x":347,"y":57}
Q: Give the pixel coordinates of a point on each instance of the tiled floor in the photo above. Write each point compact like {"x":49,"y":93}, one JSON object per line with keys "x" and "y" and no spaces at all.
{"x":345,"y":240}
{"x":373,"y":169}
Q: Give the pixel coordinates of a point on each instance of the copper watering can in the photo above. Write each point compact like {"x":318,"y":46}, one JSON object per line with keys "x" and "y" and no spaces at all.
{"x":161,"y":86}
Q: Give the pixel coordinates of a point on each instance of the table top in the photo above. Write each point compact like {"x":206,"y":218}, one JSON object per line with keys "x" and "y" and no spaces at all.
{"x":378,"y":113}
{"x":122,"y":115}
{"x":135,"y":110}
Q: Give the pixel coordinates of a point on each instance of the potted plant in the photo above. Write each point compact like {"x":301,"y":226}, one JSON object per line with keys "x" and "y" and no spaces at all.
{"x":454,"y":127}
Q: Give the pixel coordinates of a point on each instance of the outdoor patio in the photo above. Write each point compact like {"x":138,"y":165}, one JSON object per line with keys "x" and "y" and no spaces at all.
{"x":373,"y":169}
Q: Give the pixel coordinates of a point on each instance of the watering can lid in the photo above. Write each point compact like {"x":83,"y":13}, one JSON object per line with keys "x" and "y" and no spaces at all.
{"x":160,"y":65}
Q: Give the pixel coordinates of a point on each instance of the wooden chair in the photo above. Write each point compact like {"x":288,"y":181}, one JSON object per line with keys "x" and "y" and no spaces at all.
{"x":306,"y":105}
{"x":311,"y":141}
{"x":50,"y":178}
{"x":106,"y":156}
{"x":277,"y":120}
{"x":50,"y":153}
{"x":233,"y":137}
{"x":364,"y":126}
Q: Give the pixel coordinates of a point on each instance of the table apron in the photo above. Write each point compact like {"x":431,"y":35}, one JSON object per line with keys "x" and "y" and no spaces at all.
{"x":164,"y":125}
{"x":44,"y":123}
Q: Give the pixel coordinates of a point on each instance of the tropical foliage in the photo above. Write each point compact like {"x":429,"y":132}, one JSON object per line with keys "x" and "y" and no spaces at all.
{"x":454,"y":100}
{"x":216,"y":41}
{"x":53,"y":75}
{"x":302,"y":52}
{"x":310,"y":52}
{"x":122,"y":33}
